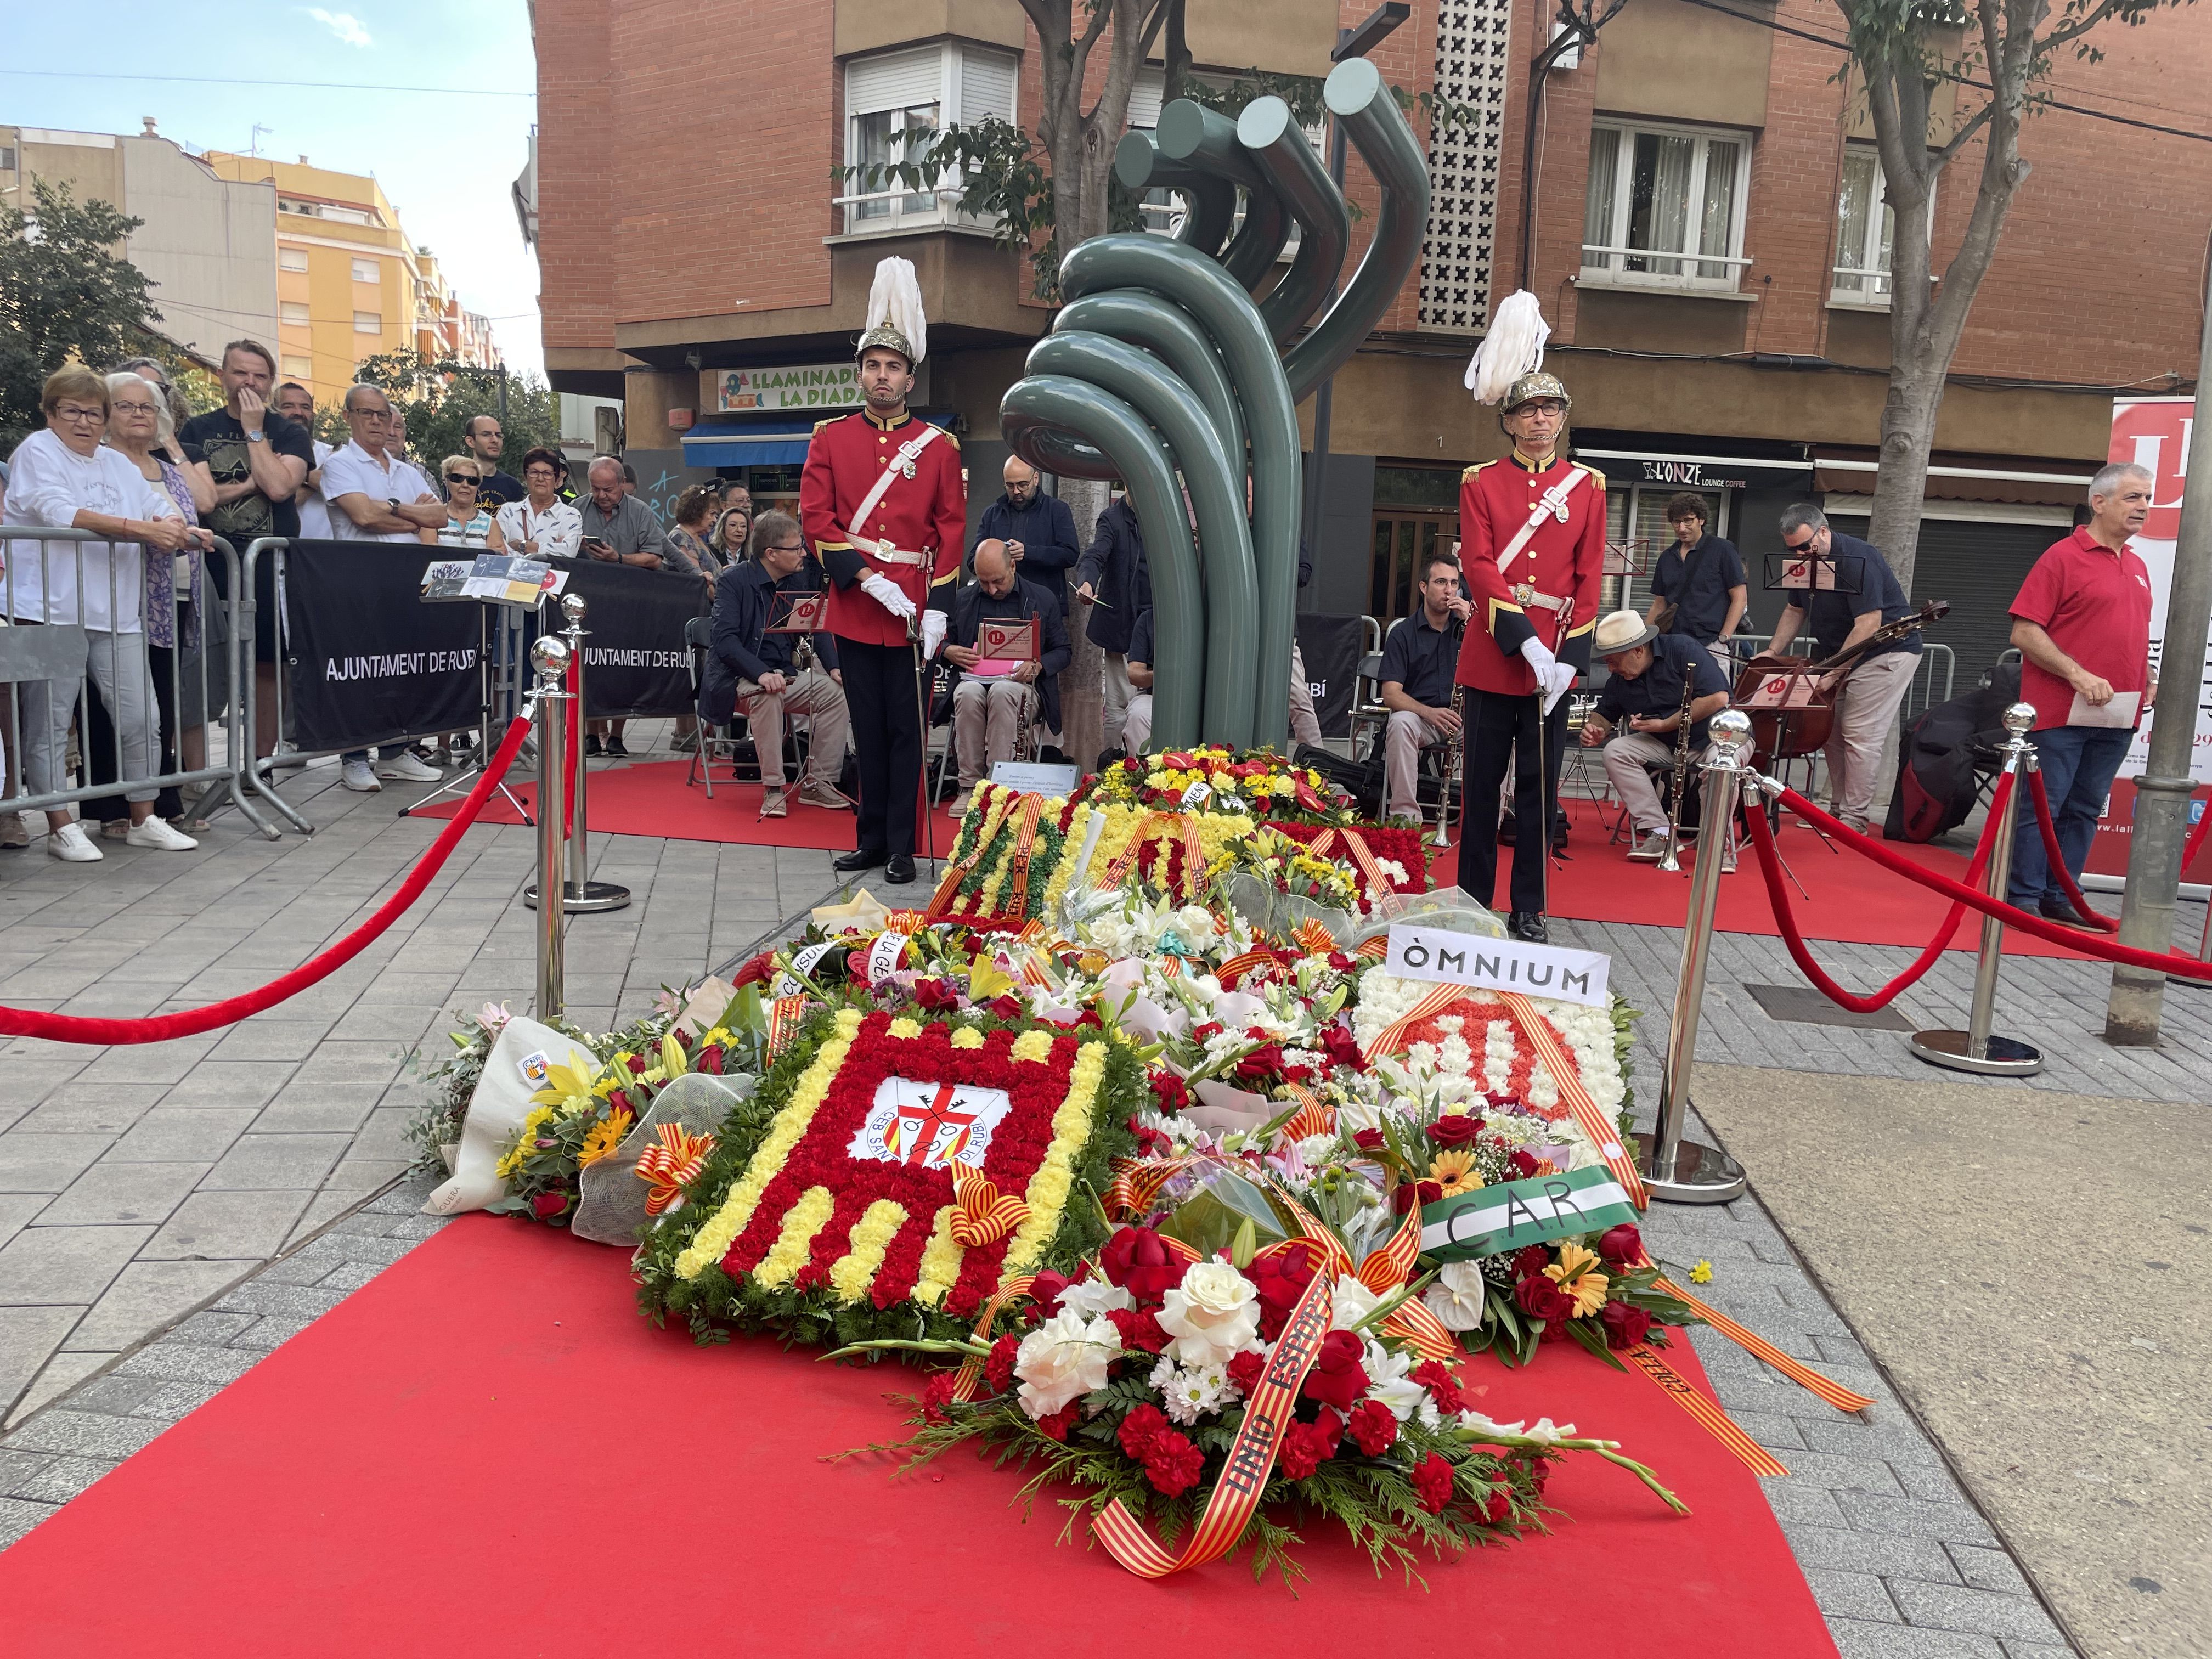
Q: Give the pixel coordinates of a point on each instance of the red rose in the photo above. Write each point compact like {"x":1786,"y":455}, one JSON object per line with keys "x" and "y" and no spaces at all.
{"x":1530,"y":1260}
{"x":1044,"y":1292}
{"x":756,"y":970}
{"x":1141,"y":1430}
{"x":1525,"y":1163}
{"x":999,"y":1369}
{"x":1138,"y":1328}
{"x":1008,"y":1005}
{"x":1265,"y":1061}
{"x":1625,"y":1326}
{"x":1245,"y":1371}
{"x":1459,"y":1129}
{"x":1432,"y":1483}
{"x":1057,"y":1426}
{"x":616,"y":1102}
{"x":1407,"y":1193}
{"x":710,"y":1061}
{"x":1139,"y":1261}
{"x":1338,"y":1377}
{"x":1150,"y":1143}
{"x":1342,"y":1048}
{"x":935,"y":993}
{"x":1281,"y":1278}
{"x":1373,"y":1427}
{"x":1622,"y":1246}
{"x":1174,"y":1465}
{"x":1170,"y":1091}
{"x":637,"y":1066}
{"x":1307,"y":1446}
{"x":1133,"y":765}
{"x":1442,"y":1386}
{"x":1540,"y":1298}
{"x":935,"y":1394}
{"x":546,"y":1206}
{"x":1367,"y":1140}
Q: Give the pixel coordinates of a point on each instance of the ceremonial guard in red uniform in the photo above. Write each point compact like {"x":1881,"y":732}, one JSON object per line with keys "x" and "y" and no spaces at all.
{"x":1532,"y":552}
{"x":882,"y":500}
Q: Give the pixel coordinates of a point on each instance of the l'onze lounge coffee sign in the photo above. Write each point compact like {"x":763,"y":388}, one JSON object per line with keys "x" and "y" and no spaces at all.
{"x":792,"y":386}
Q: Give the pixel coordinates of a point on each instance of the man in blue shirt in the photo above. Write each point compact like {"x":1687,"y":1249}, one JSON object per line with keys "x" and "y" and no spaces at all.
{"x":1698,"y":585}
{"x":1847,"y":591}
{"x":1038,"y":530}
{"x":763,"y":672}
{"x":1419,"y":658}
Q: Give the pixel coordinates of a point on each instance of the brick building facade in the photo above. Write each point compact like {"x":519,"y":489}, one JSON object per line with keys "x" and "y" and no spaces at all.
{"x":694,"y":239}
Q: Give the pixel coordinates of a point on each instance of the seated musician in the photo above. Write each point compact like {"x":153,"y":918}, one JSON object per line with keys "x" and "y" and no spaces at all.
{"x":1137,"y":719}
{"x":1418,"y":660}
{"x":763,"y":672}
{"x":993,"y":702}
{"x":1645,"y":691}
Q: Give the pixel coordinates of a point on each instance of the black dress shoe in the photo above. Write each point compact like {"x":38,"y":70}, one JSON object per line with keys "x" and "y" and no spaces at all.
{"x":860,"y":857}
{"x":592,"y":744}
{"x":900,"y":870}
{"x":2058,"y":911}
{"x":1528,"y":927}
{"x":616,"y":750}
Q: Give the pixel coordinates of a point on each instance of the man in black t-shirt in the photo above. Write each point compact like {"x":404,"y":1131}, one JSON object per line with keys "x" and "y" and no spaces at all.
{"x":1698,"y":585}
{"x":258,"y":459}
{"x":1418,"y":660}
{"x":484,"y":437}
{"x":1644,"y":697}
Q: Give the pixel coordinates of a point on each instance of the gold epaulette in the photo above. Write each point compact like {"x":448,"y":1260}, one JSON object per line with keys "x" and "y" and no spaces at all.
{"x":1596,"y":476}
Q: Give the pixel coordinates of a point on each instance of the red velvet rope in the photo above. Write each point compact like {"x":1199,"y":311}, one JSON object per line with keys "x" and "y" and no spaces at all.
{"x":1778,"y":893}
{"x":2072,"y":939}
{"x":573,"y":743}
{"x":189,"y":1021}
{"x":2057,"y":860}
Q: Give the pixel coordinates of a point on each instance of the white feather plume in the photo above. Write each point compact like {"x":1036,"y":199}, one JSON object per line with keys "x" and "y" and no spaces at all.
{"x":1514,"y":347}
{"x":896,"y":298}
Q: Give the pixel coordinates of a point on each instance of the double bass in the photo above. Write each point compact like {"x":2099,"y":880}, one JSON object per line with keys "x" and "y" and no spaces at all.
{"x":1790,"y":713}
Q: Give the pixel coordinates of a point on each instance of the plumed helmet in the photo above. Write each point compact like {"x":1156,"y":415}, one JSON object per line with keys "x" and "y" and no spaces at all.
{"x":895,"y":319}
{"x":1530,"y":388}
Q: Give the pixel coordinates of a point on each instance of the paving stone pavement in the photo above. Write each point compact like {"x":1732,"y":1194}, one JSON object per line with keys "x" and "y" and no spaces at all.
{"x":137,"y":1182}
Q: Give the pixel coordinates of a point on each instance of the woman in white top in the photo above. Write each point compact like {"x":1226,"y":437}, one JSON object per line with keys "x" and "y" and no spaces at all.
{"x":542,"y":524}
{"x":62,"y":478}
{"x":468,"y":522}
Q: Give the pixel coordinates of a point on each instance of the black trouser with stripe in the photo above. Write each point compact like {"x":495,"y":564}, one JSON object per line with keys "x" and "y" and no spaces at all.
{"x":880,"y":682}
{"x":1502,"y":727}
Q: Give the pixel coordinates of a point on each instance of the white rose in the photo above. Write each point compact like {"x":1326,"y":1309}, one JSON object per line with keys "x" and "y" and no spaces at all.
{"x":1063,"y":1359}
{"x":1352,"y":1302}
{"x":1456,"y":1296}
{"x":1093,"y":1296}
{"x":1211,"y":1315}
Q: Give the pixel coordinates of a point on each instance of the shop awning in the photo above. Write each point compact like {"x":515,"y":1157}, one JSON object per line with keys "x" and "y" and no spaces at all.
{"x":775,"y":441}
{"x":1952,"y":476}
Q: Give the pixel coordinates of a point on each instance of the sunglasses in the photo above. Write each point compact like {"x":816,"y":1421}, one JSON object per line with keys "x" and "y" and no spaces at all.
{"x":463,"y":477}
{"x":1805,"y":546}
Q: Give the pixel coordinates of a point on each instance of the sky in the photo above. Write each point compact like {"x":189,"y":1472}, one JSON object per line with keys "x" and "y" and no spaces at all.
{"x":446,"y":150}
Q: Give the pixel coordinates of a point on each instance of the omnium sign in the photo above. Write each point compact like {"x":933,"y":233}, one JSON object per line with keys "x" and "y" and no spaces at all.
{"x":1498,"y":964}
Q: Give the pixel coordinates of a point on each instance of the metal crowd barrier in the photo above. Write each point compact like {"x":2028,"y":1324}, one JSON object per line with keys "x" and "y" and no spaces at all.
{"x":62,"y":673}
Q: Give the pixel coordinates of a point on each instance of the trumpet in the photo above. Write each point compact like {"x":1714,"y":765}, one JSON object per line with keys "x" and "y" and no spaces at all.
{"x":1671,"y":859}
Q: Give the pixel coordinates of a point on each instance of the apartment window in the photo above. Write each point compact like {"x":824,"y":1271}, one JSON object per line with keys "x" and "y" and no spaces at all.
{"x":368,"y":322}
{"x":367,"y":271}
{"x":293,"y":315}
{"x":291,"y":258}
{"x":1866,"y":230}
{"x":1661,"y":191}
{"x":297,"y":368}
{"x":891,"y":100}
{"x":7,"y":158}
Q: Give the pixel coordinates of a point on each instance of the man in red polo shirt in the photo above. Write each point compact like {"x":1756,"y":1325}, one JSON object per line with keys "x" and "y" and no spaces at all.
{"x":2082,"y":623}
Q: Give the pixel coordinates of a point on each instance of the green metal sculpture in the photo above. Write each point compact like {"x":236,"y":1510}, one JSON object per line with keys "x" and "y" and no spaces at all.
{"x":1163,"y":370}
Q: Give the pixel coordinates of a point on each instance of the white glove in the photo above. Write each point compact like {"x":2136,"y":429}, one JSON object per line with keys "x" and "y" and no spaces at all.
{"x":887,"y":593}
{"x":933,"y":633}
{"x":1538,"y":653}
{"x":1553,"y":682}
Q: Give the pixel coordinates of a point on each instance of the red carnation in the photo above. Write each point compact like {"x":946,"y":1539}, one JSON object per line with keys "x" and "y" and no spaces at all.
{"x":1458,"y":1129}
{"x":1432,"y":1483}
{"x":1500,"y":1504}
{"x":1281,"y":1278}
{"x":1141,"y":1430}
{"x":1442,"y":1386}
{"x":935,"y":1394}
{"x":1150,"y":1143}
{"x":1338,"y":1377}
{"x":1624,"y":1325}
{"x":1367,"y":1140}
{"x":1138,"y":1328}
{"x":1530,"y":1259}
{"x":1540,"y":1298}
{"x":1307,"y":1446}
{"x":1342,"y":1048}
{"x":1206,"y":1032}
{"x":999,"y":1369}
{"x":1057,"y":1426}
{"x":1622,"y":1246}
{"x":1245,"y":1371}
{"x":546,"y":1206}
{"x":1373,"y":1427}
{"x":1175,"y":1464}
{"x":1170,"y":1091}
{"x":1139,"y":1261}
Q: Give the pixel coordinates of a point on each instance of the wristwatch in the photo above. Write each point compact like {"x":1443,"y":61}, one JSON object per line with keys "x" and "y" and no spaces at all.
{"x":393,"y":503}
{"x":256,"y":437}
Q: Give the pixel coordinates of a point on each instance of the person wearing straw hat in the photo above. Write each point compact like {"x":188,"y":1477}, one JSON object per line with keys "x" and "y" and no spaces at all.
{"x":883,"y":504}
{"x":1532,"y":551}
{"x":1644,"y":697}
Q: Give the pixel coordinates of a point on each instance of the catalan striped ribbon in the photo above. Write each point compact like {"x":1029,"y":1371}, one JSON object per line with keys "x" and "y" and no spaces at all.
{"x":1363,"y":855}
{"x":1375,"y":949}
{"x":1536,"y":1032}
{"x":1136,"y":1183}
{"x":1026,"y":836}
{"x":1313,"y":1117}
{"x":785,"y":1016}
{"x":1708,"y":1413}
{"x":1232,"y":972}
{"x":1236,"y":1496}
{"x":958,"y":870}
{"x":1392,"y":1037}
{"x":984,"y":1215}
{"x":1011,"y":1288}
{"x":1752,"y":1343}
{"x":1313,"y":939}
{"x":1194,"y":850}
{"x":671,"y":1164}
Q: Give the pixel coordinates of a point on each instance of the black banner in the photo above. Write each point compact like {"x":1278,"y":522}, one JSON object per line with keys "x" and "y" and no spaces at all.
{"x":634,"y":661}
{"x":1330,"y":647}
{"x":369,"y":661}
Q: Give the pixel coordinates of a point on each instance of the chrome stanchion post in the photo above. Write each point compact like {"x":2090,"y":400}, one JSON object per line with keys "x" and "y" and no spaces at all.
{"x":580,"y":891}
{"x":1975,"y":1049}
{"x":1678,"y":1170}
{"x":549,"y":656}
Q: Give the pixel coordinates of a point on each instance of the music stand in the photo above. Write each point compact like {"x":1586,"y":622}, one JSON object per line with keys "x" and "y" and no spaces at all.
{"x":804,"y":615}
{"x":498,"y":585}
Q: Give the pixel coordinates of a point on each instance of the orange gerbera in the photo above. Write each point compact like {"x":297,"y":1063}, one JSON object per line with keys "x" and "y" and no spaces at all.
{"x":1574,"y":1272}
{"x":1454,"y":1172}
{"x":604,"y":1137}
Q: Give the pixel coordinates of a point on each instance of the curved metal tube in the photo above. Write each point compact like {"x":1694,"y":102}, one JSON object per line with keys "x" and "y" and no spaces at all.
{"x":1357,"y":97}
{"x":1051,"y":406}
{"x":1139,"y":165}
{"x":1227,"y":314}
{"x":1069,"y":458}
{"x":1224,"y":544}
{"x":1278,"y":147}
{"x":1166,"y":330}
{"x":1205,"y":141}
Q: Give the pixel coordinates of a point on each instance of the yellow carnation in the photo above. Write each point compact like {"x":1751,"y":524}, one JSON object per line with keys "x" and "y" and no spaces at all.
{"x":905,"y":1028}
{"x":967,"y":1037}
{"x":1032,"y":1046}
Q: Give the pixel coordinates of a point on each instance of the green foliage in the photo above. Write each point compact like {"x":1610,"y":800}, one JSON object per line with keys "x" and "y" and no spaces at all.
{"x":440,"y":396}
{"x":64,"y":294}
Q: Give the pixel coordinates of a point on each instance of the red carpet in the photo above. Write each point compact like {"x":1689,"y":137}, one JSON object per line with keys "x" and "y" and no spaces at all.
{"x":487,"y":1451}
{"x":1852,"y":899}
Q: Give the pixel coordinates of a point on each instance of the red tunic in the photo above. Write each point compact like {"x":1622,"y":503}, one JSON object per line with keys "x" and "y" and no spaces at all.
{"x":924,"y":511}
{"x":1564,"y":560}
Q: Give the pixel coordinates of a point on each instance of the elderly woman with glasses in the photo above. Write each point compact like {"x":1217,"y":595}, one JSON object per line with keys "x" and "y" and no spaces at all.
{"x":62,"y":477}
{"x":468,"y":522}
{"x":541,"y":524}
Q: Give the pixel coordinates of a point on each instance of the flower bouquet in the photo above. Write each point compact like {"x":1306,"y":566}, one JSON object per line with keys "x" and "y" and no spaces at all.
{"x":1253,"y":783}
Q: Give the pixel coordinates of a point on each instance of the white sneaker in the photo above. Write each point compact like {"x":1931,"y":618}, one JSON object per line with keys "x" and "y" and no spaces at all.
{"x":1647,"y":846}
{"x":404,"y":765}
{"x":157,"y":833}
{"x":356,"y":776}
{"x":13,"y":831}
{"x":72,"y":845}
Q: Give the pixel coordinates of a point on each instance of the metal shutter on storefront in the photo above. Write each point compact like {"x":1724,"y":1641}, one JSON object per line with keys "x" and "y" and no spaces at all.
{"x":1979,"y":567}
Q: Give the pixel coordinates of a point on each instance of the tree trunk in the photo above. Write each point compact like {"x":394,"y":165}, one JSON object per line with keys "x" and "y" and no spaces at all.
{"x":1082,"y":684}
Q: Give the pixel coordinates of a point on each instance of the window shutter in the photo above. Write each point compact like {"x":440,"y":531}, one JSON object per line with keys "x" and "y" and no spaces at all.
{"x":894,"y":80}
{"x":987,"y":85}
{"x":1146,"y":95}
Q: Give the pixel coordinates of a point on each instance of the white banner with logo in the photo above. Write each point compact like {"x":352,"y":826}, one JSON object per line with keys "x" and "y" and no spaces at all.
{"x":2153,"y":432}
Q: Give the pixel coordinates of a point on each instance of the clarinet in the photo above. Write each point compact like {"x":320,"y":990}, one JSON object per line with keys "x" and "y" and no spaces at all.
{"x":1454,"y":746}
{"x":1672,"y":861}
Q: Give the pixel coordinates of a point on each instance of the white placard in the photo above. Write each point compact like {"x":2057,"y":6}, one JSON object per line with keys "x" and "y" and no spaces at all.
{"x":929,"y":1125}
{"x":1498,"y":964}
{"x":1035,"y":779}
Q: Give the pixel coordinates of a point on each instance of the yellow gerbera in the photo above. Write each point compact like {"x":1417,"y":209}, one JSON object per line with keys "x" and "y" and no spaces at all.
{"x":1575,"y":1274}
{"x":604,"y":1137}
{"x":1454,"y":1172}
